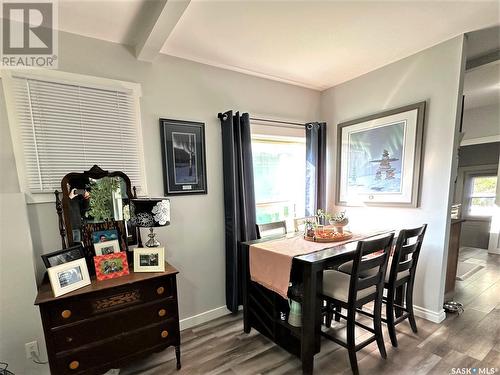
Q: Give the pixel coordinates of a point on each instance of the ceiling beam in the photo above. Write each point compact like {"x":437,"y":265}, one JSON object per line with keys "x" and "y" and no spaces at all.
{"x":159,"y":29}
{"x":487,"y":58}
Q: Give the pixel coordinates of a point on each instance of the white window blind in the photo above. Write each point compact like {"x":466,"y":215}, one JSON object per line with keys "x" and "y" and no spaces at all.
{"x":69,"y":128}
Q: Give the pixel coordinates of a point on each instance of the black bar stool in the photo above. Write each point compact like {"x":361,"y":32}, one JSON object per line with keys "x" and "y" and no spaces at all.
{"x":341,"y":290}
{"x":399,"y":280}
{"x":401,"y":275}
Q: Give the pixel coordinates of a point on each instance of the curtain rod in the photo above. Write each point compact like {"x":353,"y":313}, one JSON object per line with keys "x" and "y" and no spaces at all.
{"x":277,"y":122}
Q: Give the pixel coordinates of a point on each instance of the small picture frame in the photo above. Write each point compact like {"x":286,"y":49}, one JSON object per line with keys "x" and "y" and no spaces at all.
{"x":107,"y":247}
{"x":104,"y":235}
{"x":63,"y":256}
{"x":69,"y":276}
{"x":149,"y":259}
{"x":111,"y":266}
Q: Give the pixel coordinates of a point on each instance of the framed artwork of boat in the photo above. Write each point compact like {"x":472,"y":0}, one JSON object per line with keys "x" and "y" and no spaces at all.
{"x":379,"y":158}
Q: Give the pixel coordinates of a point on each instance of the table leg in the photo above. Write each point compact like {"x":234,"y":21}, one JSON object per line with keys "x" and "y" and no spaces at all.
{"x":245,"y":279}
{"x":310,"y":320}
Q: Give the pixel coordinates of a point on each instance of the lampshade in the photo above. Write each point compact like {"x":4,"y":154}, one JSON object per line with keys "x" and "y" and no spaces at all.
{"x":150,"y":212}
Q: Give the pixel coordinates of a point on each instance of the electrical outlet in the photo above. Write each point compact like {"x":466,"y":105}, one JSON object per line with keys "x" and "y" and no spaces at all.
{"x":31,"y":347}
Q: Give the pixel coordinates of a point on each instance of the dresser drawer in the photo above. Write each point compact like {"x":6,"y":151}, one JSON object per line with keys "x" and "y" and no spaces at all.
{"x":69,"y":310}
{"x":86,"y":331}
{"x":111,"y":351}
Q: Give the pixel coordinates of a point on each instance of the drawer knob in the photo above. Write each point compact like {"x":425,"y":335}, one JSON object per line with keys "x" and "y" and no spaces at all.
{"x":162,"y":312}
{"x":164,"y":334}
{"x":74,"y":365}
{"x":160,"y":290}
{"x":66,"y":314}
{"x":69,"y":339}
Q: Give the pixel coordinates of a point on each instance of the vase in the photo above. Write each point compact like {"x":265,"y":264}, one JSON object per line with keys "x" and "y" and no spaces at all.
{"x":339,"y":225}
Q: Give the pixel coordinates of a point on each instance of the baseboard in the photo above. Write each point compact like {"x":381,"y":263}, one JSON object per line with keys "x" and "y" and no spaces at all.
{"x":204,"y":317}
{"x":192,"y":321}
{"x":433,"y":316}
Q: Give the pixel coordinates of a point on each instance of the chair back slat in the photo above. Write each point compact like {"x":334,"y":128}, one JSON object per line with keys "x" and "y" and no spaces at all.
{"x":270,"y":227}
{"x":372,"y":262}
{"x":366,"y":259}
{"x":406,"y":254}
{"x":369,"y":281}
{"x":408,"y":249}
{"x":405,"y":265}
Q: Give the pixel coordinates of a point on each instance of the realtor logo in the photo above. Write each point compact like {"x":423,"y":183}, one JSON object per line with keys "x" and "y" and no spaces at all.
{"x":28,"y":34}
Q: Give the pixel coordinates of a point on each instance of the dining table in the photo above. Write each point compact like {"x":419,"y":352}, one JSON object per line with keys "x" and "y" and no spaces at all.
{"x":264,"y":309}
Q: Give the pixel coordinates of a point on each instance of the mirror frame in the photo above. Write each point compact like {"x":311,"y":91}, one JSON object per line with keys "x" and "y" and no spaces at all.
{"x":94,"y":173}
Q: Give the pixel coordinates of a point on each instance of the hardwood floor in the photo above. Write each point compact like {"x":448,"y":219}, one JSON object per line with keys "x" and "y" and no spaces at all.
{"x":471,"y":340}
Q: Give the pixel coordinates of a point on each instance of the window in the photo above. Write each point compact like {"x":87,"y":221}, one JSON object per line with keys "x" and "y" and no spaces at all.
{"x":279,"y":175}
{"x":68,"y":127}
{"x":482,"y":193}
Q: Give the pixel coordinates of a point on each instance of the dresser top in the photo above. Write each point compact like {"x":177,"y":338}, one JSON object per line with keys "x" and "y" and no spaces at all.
{"x":45,"y":293}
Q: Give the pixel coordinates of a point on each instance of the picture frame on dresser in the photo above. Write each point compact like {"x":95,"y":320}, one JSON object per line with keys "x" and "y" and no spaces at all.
{"x":63,"y":256}
{"x":149,"y":259}
{"x":111,"y":265}
{"x":107,"y":247}
{"x":183,"y":154}
{"x":69,"y":276}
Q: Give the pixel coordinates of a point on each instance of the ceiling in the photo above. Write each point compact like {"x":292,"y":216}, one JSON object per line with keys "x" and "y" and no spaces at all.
{"x":315,"y":44}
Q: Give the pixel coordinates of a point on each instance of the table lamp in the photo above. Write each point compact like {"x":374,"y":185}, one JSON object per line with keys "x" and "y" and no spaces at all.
{"x":150,"y":213}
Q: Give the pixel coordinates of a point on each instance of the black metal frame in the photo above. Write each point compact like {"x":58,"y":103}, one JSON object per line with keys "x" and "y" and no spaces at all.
{"x":168,"y":166}
{"x":361,"y":264}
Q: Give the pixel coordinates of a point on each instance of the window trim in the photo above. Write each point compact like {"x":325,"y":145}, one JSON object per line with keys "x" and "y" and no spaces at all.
{"x":8,"y":76}
{"x":467,"y":192}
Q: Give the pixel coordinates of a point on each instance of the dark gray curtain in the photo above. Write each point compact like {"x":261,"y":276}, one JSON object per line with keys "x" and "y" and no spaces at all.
{"x":315,"y":167}
{"x":239,"y":197}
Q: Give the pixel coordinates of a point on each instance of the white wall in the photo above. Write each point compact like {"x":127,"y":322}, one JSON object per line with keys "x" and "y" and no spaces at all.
{"x":481,"y":122}
{"x":432,"y":75}
{"x":19,"y":318}
{"x":178,"y":89}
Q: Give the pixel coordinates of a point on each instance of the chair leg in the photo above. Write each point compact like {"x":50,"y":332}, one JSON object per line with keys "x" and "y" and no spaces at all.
{"x":337,"y":316}
{"x":351,"y":343}
{"x":377,"y":325}
{"x":389,"y":312}
{"x":329,"y":314}
{"x":409,"y":307}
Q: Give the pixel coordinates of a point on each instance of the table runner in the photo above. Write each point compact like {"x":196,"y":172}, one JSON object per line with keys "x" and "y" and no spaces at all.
{"x":271,"y":261}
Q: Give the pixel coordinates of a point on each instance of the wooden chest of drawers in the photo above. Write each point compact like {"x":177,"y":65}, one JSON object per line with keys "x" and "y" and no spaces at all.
{"x":110,"y":323}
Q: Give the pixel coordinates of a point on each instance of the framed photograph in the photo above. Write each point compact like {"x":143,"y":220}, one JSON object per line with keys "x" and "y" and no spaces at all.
{"x":104,"y":235}
{"x":63,"y":256}
{"x":70,"y":276}
{"x":379,"y":157}
{"x":183,"y":152}
{"x":149,"y":259}
{"x":107,"y":247}
{"x":111,"y":266}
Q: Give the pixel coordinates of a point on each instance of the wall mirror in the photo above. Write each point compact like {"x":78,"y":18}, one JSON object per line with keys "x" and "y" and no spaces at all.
{"x":95,"y":208}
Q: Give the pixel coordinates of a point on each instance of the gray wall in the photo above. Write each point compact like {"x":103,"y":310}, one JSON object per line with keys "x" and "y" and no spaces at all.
{"x":485,"y":153}
{"x":433,"y":75}
{"x":178,"y":89}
